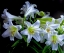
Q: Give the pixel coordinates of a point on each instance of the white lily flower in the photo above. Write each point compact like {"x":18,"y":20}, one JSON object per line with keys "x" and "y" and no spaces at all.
{"x":29,"y":9}
{"x":55,"y":39}
{"x":7,"y":16}
{"x":12,"y":31}
{"x":32,"y":31}
{"x":50,"y":27}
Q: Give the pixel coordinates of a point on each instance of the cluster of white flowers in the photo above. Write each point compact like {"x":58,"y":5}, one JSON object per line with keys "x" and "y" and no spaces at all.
{"x":45,"y":29}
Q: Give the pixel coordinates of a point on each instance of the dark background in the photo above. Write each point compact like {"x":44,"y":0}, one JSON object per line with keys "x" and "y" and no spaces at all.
{"x":55,"y":7}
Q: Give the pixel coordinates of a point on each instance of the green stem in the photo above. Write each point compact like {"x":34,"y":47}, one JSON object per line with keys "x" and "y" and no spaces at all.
{"x":23,"y":22}
{"x":30,"y":19}
{"x":35,"y":18}
{"x":53,"y":51}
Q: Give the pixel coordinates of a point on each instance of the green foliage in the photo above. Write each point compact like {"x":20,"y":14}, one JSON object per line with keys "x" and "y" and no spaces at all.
{"x":41,"y":13}
{"x":15,"y":43}
{"x":62,"y":23}
{"x":46,"y":49}
{"x":35,"y":49}
{"x":44,"y":20}
{"x":37,"y":43}
{"x":60,"y":50}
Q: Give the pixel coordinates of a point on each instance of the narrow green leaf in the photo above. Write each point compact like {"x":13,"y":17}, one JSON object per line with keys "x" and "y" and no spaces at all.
{"x":46,"y":49}
{"x":25,"y":38}
{"x":37,"y":44}
{"x":35,"y":49}
{"x":59,"y":49}
{"x":53,"y":51}
{"x":15,"y":43}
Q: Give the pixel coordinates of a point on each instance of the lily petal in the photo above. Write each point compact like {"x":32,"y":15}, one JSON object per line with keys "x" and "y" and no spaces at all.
{"x":27,"y":23}
{"x":27,"y":4}
{"x":18,"y":35}
{"x":19,"y":27}
{"x":36,"y":36}
{"x":54,"y":46}
{"x":61,"y":43}
{"x":11,"y":38}
{"x":36,"y":24}
{"x":6,"y":34}
{"x":5,"y":25}
{"x":29,"y":38}
{"x":48,"y":42}
{"x":24,"y":32}
{"x":54,"y":26}
{"x":61,"y":37}
{"x":8,"y":14}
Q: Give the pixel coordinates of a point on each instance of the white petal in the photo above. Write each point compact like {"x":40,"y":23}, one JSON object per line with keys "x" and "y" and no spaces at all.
{"x":36,"y":24}
{"x":59,"y":20}
{"x":32,"y":15}
{"x":42,"y":39}
{"x":36,"y":36}
{"x":19,"y":27}
{"x":3,"y":16}
{"x":18,"y":35}
{"x":48,"y":42}
{"x":30,"y":10}
{"x":27,"y":23}
{"x":11,"y":38}
{"x":24,"y":32}
{"x":47,"y":15}
{"x":53,"y":20}
{"x":8,"y":14}
{"x":6,"y":34}
{"x":6,"y":25}
{"x":54,"y":26}
{"x":61,"y":37}
{"x":61,"y":43}
{"x":48,"y":23}
{"x":62,"y":16}
{"x":27,"y":4}
{"x":29,"y":38}
{"x":54,"y":46}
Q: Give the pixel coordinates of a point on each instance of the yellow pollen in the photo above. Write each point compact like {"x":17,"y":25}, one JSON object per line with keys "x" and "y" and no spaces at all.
{"x":13,"y":30}
{"x":54,"y":39}
{"x":48,"y":30}
{"x":31,"y":30}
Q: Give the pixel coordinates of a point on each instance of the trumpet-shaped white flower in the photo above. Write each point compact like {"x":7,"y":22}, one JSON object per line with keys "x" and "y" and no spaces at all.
{"x":7,"y":16}
{"x":33,"y":30}
{"x":54,"y":40}
{"x":12,"y":31}
{"x":50,"y":27}
{"x":29,"y":9}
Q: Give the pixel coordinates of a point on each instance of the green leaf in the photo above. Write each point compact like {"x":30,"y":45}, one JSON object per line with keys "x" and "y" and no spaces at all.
{"x":60,"y":30}
{"x":62,"y":23}
{"x":27,"y":44}
{"x":25,"y":38}
{"x":37,"y":44}
{"x":46,"y":49}
{"x":53,"y":51}
{"x":15,"y":44}
{"x":34,"y":48}
{"x":60,"y":50}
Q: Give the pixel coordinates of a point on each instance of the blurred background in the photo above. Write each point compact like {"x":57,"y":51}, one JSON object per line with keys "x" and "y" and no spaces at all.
{"x":55,"y":7}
